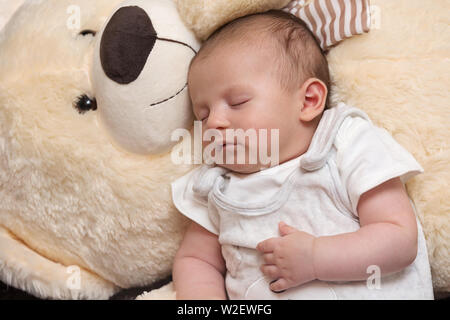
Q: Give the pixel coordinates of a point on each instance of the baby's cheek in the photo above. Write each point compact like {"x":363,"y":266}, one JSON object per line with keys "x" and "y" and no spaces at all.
{"x":271,"y":137}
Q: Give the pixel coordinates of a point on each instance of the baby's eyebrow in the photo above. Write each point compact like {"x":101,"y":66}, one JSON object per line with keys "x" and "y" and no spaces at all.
{"x":236,"y":89}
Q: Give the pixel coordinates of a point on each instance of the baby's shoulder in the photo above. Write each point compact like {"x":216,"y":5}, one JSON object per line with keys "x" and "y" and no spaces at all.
{"x":355,"y":130}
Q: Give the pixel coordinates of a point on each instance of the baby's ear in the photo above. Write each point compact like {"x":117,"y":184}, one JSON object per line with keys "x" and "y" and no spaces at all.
{"x":314,"y":99}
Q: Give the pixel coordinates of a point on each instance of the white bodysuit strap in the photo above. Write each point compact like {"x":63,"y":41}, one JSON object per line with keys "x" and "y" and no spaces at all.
{"x":205,"y":177}
{"x":323,"y":139}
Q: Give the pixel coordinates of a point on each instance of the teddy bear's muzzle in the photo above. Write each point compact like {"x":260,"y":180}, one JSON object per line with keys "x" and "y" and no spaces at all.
{"x":139,"y":75}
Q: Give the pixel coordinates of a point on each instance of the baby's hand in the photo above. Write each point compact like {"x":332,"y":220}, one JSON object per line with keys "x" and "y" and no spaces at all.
{"x":289,"y":258}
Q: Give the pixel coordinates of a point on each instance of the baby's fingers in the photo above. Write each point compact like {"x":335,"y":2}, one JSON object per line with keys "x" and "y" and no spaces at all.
{"x":271,"y":271}
{"x":279,"y":285}
{"x":269,"y":258}
{"x":267,"y":245}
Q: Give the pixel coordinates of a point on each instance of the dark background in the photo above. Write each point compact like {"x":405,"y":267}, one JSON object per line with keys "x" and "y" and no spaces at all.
{"x":10,"y":293}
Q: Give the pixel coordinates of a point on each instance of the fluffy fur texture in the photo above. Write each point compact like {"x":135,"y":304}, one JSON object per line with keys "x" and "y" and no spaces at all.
{"x":204,"y":16}
{"x":68,"y":196}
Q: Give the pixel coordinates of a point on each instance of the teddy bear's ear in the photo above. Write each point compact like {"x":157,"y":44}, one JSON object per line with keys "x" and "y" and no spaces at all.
{"x":205,"y":16}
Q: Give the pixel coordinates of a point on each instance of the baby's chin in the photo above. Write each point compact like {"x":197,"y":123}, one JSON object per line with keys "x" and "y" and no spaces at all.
{"x":243,"y":168}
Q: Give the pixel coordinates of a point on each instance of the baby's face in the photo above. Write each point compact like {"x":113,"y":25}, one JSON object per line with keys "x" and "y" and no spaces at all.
{"x":235,"y":88}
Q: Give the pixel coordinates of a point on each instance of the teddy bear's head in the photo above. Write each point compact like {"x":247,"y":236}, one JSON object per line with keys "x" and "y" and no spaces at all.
{"x":86,"y":113}
{"x":141,"y":59}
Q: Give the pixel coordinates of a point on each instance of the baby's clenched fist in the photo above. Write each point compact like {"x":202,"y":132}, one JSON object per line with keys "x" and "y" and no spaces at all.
{"x":288,"y":259}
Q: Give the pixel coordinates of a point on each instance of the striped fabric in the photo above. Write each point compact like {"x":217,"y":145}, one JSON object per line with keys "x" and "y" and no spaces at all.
{"x":331,"y":21}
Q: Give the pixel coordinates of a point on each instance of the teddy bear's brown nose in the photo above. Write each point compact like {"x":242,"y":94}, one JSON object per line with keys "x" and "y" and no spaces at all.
{"x":126,"y":44}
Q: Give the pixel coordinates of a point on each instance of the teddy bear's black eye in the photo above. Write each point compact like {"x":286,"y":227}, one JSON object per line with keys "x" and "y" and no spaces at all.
{"x":86,"y":32}
{"x":84,"y":104}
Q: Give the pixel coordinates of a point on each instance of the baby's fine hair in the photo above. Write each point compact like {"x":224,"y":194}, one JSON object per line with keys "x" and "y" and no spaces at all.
{"x":297,"y":53}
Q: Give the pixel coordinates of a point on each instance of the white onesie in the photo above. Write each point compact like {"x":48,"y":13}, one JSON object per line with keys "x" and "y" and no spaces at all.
{"x":317,"y":193}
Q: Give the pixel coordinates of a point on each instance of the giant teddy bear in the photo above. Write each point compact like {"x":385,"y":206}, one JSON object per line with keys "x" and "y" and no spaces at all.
{"x":85,"y":134}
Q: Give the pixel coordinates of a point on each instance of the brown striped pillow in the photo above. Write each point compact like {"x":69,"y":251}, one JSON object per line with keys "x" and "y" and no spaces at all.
{"x":331,"y":21}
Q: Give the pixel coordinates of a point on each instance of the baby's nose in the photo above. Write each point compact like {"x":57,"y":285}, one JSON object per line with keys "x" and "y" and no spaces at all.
{"x":217,"y":120}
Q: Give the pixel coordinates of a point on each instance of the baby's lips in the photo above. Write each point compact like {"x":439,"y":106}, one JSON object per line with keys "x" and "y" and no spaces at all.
{"x":222,"y":143}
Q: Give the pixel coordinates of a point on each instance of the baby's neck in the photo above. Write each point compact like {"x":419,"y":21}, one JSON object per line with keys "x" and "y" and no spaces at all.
{"x":299,"y":144}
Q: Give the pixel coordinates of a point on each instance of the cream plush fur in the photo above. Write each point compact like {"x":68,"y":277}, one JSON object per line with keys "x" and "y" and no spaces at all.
{"x":71,"y":203}
{"x":205,"y":16}
{"x":69,"y":197}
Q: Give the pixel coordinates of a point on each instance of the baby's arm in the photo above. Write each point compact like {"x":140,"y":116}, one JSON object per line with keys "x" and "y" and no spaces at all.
{"x":387,"y":238}
{"x":199,"y":268}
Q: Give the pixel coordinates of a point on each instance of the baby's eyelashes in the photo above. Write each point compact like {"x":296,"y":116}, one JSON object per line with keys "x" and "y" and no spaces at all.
{"x":239,"y":102}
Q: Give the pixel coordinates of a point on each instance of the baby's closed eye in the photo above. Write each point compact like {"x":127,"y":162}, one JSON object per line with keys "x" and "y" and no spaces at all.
{"x":239,"y":101}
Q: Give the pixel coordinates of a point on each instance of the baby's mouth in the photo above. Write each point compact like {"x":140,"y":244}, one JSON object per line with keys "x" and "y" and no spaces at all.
{"x":222,"y":145}
{"x":230,"y":144}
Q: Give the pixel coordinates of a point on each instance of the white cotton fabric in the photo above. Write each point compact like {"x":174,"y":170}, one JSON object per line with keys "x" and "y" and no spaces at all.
{"x":317,"y":193}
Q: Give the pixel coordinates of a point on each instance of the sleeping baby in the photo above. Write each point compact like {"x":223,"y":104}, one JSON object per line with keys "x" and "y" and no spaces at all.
{"x":330,"y":219}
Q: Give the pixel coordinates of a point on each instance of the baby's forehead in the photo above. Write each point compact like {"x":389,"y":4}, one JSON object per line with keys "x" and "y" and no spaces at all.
{"x":238,"y":50}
